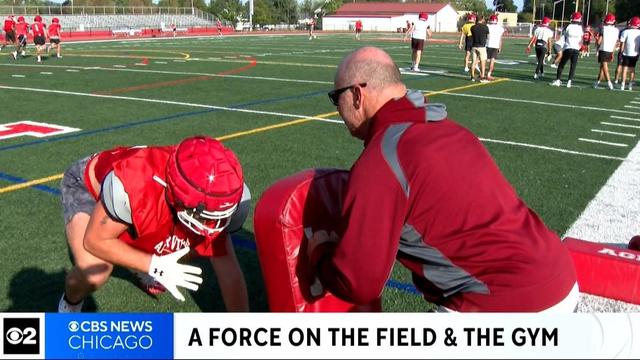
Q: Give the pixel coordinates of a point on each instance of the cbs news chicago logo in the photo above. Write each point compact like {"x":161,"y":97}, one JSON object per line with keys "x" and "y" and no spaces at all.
{"x":21,"y":336}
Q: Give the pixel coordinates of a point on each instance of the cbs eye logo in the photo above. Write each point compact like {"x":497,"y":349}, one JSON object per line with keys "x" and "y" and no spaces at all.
{"x":21,"y":336}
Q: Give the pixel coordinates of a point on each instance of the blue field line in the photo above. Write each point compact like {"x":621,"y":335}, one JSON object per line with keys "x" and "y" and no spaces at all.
{"x":16,"y":179}
{"x":155,"y":120}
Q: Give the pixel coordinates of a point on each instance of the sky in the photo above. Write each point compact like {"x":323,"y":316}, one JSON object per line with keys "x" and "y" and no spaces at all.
{"x":517,"y":2}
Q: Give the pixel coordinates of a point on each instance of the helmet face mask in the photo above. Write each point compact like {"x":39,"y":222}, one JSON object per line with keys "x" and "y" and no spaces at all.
{"x":206,"y":223}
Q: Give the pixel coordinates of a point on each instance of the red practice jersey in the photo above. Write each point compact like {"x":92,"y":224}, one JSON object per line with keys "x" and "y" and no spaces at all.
{"x":37,"y":29}
{"x":54,"y":30}
{"x":8,"y":25}
{"x":22,"y":29}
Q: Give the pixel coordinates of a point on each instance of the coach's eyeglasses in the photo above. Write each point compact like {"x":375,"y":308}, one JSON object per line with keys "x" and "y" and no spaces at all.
{"x":334,"y":95}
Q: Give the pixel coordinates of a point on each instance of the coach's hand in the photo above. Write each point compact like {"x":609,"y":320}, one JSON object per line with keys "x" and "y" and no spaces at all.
{"x":168,"y":272}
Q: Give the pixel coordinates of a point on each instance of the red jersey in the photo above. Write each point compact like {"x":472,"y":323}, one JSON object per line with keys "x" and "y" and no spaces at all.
{"x":219,"y":24}
{"x":427,"y":192}
{"x":54,"y":30}
{"x":8,"y":25}
{"x":154,"y":229}
{"x":359,"y":25}
{"x":22,"y":28}
{"x":37,"y":29}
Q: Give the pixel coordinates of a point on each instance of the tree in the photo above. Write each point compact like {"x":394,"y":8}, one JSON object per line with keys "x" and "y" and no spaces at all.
{"x":284,"y":10}
{"x":262,"y":12}
{"x":230,"y":10}
{"x":626,"y":9}
{"x":504,"y":5}
{"x":477,"y":6}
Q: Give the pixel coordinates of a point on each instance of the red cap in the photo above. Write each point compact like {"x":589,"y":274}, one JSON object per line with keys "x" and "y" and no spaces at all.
{"x":610,"y":19}
{"x":545,"y":21}
{"x":634,"y":22}
{"x":423,"y":16}
{"x":576,"y":17}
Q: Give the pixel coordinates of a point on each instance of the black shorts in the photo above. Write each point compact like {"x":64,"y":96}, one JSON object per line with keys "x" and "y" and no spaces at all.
{"x":629,"y":61}
{"x":10,"y":36}
{"x":22,"y":40}
{"x":605,"y":56}
{"x":468,"y":43}
{"x":54,"y":41}
{"x":39,"y":40}
{"x":417,"y":44}
{"x":620,"y":58}
{"x":358,"y":31}
{"x":492,"y":53}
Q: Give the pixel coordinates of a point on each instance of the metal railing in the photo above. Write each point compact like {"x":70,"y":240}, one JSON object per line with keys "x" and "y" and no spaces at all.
{"x":102,"y":10}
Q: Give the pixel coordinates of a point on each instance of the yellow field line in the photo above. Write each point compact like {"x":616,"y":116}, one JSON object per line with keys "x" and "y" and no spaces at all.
{"x":30,"y":183}
{"x":432,"y":93}
{"x":47,"y":179}
{"x":248,"y":132}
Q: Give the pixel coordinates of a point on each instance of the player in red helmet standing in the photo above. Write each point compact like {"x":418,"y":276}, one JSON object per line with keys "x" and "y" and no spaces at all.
{"x":421,"y":31}
{"x":573,"y":41}
{"x":466,"y":40}
{"x":494,"y":43}
{"x":9,"y":27}
{"x":630,"y":44}
{"x":39,"y":36}
{"x":54,"y":36}
{"x":358,"y":29}
{"x":607,"y":42}
{"x":543,"y":40}
{"x":144,"y":208}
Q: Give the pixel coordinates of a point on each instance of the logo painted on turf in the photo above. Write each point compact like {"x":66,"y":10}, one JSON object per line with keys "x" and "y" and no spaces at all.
{"x":32,"y":128}
{"x":21,"y":336}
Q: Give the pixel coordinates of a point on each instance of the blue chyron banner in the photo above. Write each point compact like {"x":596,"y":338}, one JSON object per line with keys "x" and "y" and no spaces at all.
{"x":109,"y":336}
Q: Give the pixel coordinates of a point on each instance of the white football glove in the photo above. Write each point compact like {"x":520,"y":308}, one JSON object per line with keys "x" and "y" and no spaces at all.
{"x":168,"y":272}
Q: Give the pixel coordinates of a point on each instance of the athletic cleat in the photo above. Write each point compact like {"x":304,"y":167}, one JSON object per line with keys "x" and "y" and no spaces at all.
{"x":148,"y":284}
{"x":556,"y":83}
{"x":610,"y":85}
{"x":23,"y":53}
{"x":15,"y":55}
{"x":415,"y":68}
{"x":569,"y":84}
{"x":65,"y":307}
{"x":535,"y":76}
{"x":554,"y":66}
{"x":484,"y":80}
{"x":596,"y":84}
{"x":473,"y":79}
{"x":466,"y":69}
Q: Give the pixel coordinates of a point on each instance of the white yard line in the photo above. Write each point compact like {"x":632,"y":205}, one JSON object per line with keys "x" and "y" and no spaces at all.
{"x":18,"y":76}
{"x":613,"y":133}
{"x":632,"y":107}
{"x":532,"y":102}
{"x":542,"y":147}
{"x":171,"y":103}
{"x":620,"y":125}
{"x":623,"y":118}
{"x":72,"y":70}
{"x":46,"y":73}
{"x":119,"y":66}
{"x":603,"y":142}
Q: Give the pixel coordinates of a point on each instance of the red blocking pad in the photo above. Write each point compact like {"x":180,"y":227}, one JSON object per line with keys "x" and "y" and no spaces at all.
{"x":308,"y":199}
{"x":606,"y":270}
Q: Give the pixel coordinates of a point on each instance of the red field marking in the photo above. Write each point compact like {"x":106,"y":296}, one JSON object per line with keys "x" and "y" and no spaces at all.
{"x":252,"y":63}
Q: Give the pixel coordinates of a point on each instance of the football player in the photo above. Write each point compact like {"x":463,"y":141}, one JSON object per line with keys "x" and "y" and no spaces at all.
{"x":39,"y":36}
{"x":9,"y":31}
{"x":144,"y":208}
{"x":630,"y":45}
{"x":573,"y":41}
{"x":542,"y":38}
{"x":22,"y":30}
{"x":607,"y":42}
{"x":494,"y":43}
{"x":466,"y":41}
{"x":54,"y":36}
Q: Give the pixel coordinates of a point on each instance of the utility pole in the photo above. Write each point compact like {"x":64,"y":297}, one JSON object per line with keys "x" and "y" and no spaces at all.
{"x":533,"y":12}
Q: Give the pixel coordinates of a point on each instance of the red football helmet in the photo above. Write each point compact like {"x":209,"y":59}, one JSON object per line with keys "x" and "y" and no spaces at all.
{"x":21,"y":19}
{"x":471,"y":17}
{"x":204,"y":184}
{"x":545,"y":21}
{"x":634,"y":22}
{"x":55,"y":20}
{"x":576,"y":17}
{"x":37,"y":18}
{"x":423,"y":16}
{"x":610,"y":19}
{"x":493,"y":19}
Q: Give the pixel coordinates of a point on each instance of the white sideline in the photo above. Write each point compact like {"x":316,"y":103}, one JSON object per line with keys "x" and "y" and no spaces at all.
{"x":613,"y":133}
{"x":623,"y":118}
{"x":603,"y":142}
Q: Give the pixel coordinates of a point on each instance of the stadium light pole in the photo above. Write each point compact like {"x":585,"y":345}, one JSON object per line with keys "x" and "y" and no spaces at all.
{"x":553,"y":16}
{"x":607,"y":9}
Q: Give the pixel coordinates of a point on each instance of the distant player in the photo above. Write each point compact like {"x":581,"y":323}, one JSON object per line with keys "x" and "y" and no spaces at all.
{"x":542,"y":38}
{"x":407,"y":31}
{"x":312,"y":25}
{"x":54,"y":36}
{"x":219,"y":26}
{"x":558,"y":48}
{"x":573,"y":41}
{"x":174,"y":29}
{"x":419,"y":36}
{"x":22,"y":30}
{"x":618,"y":75}
{"x":494,"y":43}
{"x":358,"y":29}
{"x":607,"y":42}
{"x":9,"y":32}
{"x":630,"y":41}
{"x":466,"y":40}
{"x":39,"y":36}
{"x":586,"y":41}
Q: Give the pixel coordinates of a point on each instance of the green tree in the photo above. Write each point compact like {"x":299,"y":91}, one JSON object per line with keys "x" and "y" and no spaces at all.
{"x":626,"y":9}
{"x":504,"y":5}
{"x":262,"y":12}
{"x":229,"y":10}
{"x":477,"y":6}
{"x":284,"y":11}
